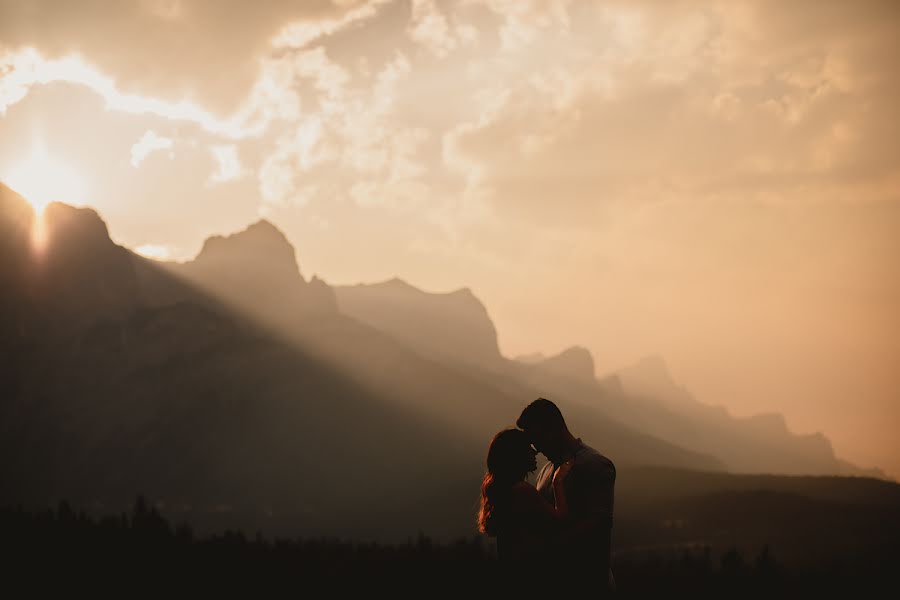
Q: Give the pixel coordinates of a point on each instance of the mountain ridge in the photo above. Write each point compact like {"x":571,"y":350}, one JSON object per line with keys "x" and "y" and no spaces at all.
{"x":183,"y":394}
{"x":455,"y":326}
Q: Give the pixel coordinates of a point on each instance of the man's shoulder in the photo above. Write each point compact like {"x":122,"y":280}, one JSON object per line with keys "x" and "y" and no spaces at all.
{"x":593,"y":459}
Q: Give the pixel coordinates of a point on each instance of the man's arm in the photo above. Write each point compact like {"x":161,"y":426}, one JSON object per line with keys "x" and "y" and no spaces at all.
{"x":593,"y":484}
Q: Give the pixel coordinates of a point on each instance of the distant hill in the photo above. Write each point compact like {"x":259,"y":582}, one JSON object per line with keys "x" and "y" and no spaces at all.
{"x":761,"y":443}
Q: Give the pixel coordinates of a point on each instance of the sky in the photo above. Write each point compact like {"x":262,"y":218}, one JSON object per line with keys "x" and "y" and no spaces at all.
{"x":717,"y":183}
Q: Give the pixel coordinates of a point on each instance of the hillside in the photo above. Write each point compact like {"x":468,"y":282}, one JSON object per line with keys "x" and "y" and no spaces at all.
{"x":135,"y":378}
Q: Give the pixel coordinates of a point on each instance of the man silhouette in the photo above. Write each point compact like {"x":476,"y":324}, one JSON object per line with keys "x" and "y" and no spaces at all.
{"x":585,"y":541}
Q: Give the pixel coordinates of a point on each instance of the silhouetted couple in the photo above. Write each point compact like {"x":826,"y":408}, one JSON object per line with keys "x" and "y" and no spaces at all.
{"x":556,"y":533}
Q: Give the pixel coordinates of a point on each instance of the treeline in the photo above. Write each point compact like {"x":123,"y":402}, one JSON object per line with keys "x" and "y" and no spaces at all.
{"x":142,"y":550}
{"x":144,"y":547}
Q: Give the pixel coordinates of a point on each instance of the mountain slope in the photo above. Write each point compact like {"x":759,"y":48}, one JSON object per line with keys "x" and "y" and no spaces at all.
{"x":457,"y":328}
{"x":759,"y":443}
{"x":198,"y":406}
{"x":464,"y":395}
{"x":134,"y":378}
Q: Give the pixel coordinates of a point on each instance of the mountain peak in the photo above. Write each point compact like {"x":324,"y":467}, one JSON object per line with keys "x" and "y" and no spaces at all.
{"x":464,"y":292}
{"x":256,"y":271}
{"x":265,"y":227}
{"x":394,"y":283}
{"x":260,"y":232}
{"x":80,"y":276}
{"x":261,"y":243}
{"x":649,"y":374}
{"x":69,"y":224}
{"x":16,"y":217}
{"x":650,"y":377}
{"x":68,"y":230}
{"x":441,"y":324}
{"x":575,"y":361}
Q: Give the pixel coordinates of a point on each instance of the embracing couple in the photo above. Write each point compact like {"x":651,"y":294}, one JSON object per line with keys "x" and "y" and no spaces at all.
{"x":566,"y":518}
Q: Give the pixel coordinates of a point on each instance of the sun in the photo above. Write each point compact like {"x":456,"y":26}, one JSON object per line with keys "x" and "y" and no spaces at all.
{"x":41,"y":179}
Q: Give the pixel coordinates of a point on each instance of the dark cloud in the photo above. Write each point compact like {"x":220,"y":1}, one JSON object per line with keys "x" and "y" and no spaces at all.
{"x":204,"y":49}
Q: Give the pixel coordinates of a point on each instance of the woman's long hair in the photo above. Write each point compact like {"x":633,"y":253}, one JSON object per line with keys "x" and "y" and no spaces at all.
{"x":509,"y":460}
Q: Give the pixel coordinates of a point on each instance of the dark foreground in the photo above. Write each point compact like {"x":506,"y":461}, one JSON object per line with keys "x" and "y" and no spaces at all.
{"x":139,"y":552}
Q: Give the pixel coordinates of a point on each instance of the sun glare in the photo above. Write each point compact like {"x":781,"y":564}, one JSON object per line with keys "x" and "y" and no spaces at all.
{"x":42,"y":179}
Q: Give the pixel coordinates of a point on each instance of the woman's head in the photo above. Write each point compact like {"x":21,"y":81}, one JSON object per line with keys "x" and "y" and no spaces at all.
{"x":510,"y":458}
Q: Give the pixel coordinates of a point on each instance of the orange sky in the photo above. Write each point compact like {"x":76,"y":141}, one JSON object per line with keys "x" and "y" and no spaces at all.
{"x":718,"y":183}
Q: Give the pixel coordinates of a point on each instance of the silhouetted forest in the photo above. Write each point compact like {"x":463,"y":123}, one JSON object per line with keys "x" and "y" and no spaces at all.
{"x":140,"y":549}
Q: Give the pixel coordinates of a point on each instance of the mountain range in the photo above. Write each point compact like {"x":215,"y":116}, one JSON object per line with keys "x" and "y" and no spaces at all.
{"x":232,"y":389}
{"x":455,"y":327}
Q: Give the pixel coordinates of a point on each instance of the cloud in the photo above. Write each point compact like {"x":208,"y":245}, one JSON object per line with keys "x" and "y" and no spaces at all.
{"x":350,"y":143}
{"x":27,"y":68}
{"x":301,"y":33}
{"x":429,"y":27}
{"x":149,"y":142}
{"x":204,"y":50}
{"x":169,"y":10}
{"x":154,"y":251}
{"x":596,"y":94}
{"x":525,"y":20}
{"x":678,"y":97}
{"x":228,"y":164}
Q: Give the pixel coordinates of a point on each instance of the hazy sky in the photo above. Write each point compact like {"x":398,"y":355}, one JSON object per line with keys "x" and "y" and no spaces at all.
{"x":717,"y":183}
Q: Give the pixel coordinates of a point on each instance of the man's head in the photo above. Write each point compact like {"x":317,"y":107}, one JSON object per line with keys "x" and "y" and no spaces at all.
{"x":545,"y":426}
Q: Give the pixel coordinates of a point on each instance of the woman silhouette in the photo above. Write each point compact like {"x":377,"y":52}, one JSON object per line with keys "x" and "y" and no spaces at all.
{"x":512,"y":510}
